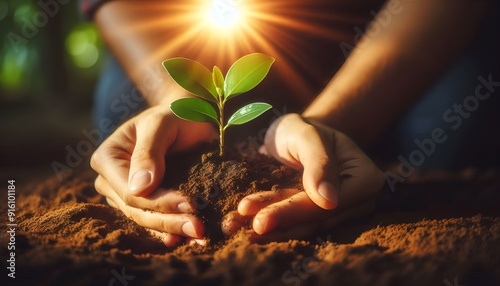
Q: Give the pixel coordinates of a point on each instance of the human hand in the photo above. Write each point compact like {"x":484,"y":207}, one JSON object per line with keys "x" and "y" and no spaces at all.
{"x":337,"y":174}
{"x":130,"y":165}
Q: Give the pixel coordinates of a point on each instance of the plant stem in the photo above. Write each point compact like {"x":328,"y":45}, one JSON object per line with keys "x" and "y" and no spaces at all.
{"x":221,"y":127}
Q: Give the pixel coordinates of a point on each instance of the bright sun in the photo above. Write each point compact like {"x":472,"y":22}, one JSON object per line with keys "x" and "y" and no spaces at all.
{"x":218,"y":32}
{"x":224,"y":14}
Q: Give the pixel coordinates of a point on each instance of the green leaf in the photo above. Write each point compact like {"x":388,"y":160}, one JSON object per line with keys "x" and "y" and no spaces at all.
{"x":193,"y":77}
{"x":194,"y":109}
{"x":246,"y":73}
{"x":218,"y":79}
{"x":248,"y":113}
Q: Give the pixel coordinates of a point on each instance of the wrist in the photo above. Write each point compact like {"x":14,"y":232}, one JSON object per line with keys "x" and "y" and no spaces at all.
{"x":328,"y":106}
{"x":316,"y":119}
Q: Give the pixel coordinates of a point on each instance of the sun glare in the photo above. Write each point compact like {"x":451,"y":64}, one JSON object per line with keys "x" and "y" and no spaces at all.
{"x":224,"y":14}
{"x":218,"y":32}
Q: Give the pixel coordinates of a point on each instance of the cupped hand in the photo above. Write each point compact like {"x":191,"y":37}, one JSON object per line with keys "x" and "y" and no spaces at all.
{"x":338,"y":179}
{"x":130,"y":165}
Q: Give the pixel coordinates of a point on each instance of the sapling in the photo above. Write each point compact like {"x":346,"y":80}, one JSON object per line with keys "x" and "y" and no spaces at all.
{"x":211,"y":88}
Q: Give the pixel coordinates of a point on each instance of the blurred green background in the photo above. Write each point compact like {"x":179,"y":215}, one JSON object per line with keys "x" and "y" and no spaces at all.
{"x":49,"y":62}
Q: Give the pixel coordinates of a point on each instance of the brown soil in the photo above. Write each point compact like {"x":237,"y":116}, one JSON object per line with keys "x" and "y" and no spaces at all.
{"x":218,"y":184}
{"x":437,"y":228}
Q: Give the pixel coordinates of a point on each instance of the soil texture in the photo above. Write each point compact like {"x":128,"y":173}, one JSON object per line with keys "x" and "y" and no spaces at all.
{"x":438,"y":228}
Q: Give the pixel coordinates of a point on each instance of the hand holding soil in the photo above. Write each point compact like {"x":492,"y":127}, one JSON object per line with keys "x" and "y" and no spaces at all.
{"x":280,"y":215}
{"x":324,"y":155}
{"x":131,"y":165}
{"x":335,"y":171}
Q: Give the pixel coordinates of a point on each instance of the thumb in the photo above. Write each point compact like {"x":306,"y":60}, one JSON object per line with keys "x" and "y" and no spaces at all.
{"x":319,"y":177}
{"x":147,"y":163}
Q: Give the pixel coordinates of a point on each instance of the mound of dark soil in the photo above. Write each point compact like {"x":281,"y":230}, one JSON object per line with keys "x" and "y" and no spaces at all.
{"x":437,"y":229}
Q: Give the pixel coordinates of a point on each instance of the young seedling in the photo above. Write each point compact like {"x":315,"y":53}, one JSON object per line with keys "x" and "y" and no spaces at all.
{"x":245,"y":74}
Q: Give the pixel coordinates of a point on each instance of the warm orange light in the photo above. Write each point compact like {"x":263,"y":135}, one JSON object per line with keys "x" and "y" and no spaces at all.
{"x":224,"y":14}
{"x":218,"y":32}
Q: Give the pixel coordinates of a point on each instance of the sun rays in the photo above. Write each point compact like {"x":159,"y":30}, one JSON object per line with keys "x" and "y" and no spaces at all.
{"x":217,"y":32}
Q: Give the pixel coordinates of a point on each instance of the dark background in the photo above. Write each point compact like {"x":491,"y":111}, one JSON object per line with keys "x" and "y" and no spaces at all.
{"x":49,"y":63}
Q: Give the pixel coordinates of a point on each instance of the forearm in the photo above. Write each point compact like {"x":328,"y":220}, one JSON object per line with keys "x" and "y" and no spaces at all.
{"x":388,"y":71}
{"x":133,"y":33}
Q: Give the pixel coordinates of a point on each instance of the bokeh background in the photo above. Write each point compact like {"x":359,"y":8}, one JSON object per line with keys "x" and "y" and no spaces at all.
{"x":49,"y":62}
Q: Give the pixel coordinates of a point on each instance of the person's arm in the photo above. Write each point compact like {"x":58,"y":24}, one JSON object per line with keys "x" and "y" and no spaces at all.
{"x":134,"y":32}
{"x":388,"y":71}
{"x":130,"y":162}
{"x":385,"y":74}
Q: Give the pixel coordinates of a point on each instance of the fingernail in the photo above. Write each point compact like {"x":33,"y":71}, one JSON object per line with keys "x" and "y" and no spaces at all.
{"x":184,"y":207}
{"x":259,"y":225}
{"x":140,"y":180}
{"x":188,"y":229}
{"x":327,"y":191}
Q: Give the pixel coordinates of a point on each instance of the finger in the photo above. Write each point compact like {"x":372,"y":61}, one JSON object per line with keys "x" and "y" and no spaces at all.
{"x":233,"y":221}
{"x":306,"y":230}
{"x":299,"y":144}
{"x":170,"y":240}
{"x":287,"y":213}
{"x":111,"y":203}
{"x":276,"y":140}
{"x":319,"y":175}
{"x":252,"y":204}
{"x":164,"y":201}
{"x":155,"y":134}
{"x":180,"y":224}
{"x":112,"y":160}
{"x":147,"y":163}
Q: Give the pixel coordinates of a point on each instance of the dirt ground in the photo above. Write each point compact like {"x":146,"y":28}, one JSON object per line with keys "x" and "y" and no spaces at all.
{"x":438,"y":228}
